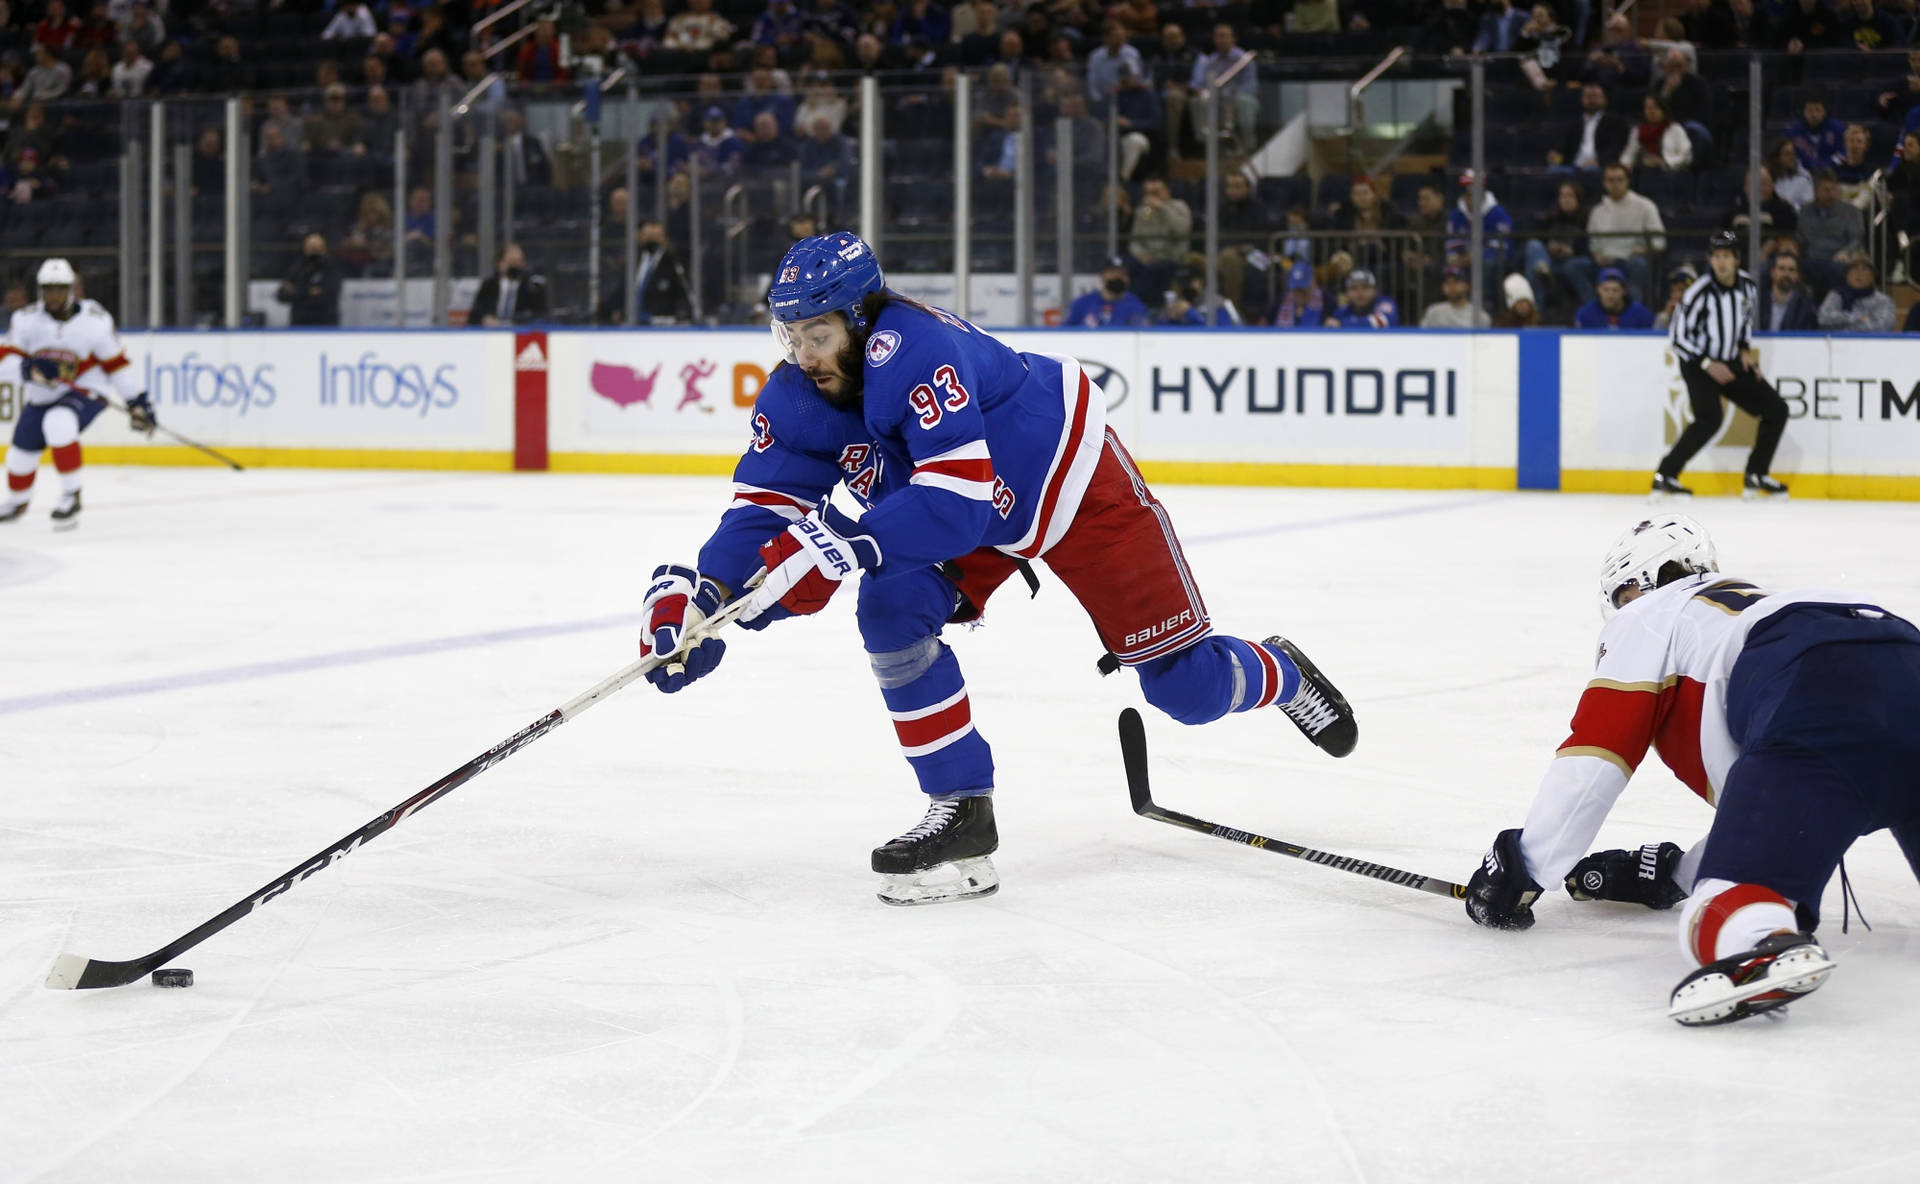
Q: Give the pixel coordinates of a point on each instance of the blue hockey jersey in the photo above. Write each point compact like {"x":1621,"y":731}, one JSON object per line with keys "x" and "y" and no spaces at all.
{"x":959,"y":443}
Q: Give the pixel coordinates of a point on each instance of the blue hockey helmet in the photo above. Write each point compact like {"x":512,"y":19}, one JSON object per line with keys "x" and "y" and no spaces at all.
{"x":833,"y":272}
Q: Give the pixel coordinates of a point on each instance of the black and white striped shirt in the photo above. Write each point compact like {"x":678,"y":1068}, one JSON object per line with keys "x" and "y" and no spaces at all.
{"x":1714,"y":323}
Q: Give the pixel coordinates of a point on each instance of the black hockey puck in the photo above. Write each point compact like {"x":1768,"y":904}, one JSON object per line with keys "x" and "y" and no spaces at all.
{"x":175,"y":977}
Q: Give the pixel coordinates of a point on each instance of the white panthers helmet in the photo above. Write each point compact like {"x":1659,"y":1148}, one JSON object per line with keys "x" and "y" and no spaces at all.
{"x":1637,"y":556}
{"x":55,"y":271}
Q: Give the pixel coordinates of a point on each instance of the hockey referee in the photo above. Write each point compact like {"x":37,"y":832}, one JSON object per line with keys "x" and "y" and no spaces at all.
{"x":1712,"y":336}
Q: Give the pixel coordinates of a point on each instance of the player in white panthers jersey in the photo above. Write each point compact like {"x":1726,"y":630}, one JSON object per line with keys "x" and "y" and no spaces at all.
{"x":1786,"y":711}
{"x":49,"y":348}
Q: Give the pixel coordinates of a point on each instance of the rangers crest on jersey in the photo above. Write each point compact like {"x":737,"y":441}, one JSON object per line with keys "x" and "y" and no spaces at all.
{"x":882,"y":346}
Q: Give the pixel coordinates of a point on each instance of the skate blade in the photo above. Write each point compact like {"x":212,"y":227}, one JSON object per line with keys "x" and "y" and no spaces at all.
{"x":963,"y":879}
{"x":1761,"y":495}
{"x":1738,"y":1003}
{"x":64,"y":524}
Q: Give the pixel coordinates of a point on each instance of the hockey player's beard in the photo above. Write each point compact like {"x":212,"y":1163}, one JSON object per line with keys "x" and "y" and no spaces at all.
{"x":852,"y":376}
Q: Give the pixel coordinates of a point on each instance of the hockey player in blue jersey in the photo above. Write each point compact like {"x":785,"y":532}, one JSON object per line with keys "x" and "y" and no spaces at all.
{"x":900,"y":442}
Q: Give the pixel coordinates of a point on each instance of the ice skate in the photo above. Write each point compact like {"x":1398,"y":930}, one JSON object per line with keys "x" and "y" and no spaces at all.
{"x":1666,"y":488}
{"x":11,"y":510}
{"x":943,"y":858}
{"x":1318,"y":708}
{"x":1761,"y":487}
{"x":66,"y":515}
{"x":1772,"y":974}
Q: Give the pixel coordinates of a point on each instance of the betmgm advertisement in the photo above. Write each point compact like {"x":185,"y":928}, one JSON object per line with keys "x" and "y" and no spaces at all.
{"x":1853,"y":404}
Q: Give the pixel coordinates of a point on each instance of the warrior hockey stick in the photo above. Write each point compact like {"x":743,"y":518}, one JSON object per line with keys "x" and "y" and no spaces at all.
{"x":74,"y":972}
{"x":222,"y":457}
{"x":1133,"y":751}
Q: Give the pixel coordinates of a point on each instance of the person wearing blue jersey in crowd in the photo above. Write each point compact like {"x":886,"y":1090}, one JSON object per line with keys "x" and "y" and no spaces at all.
{"x":1364,"y":307}
{"x":900,"y":442}
{"x":1612,"y":307}
{"x":1303,"y":306}
{"x":1111,"y":306}
{"x":1187,"y":304}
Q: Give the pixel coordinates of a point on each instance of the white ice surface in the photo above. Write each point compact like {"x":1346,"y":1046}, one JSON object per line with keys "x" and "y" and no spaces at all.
{"x":647,"y":947}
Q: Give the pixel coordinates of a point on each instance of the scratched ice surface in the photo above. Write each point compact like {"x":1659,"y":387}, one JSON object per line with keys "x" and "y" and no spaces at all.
{"x":646,"y":947}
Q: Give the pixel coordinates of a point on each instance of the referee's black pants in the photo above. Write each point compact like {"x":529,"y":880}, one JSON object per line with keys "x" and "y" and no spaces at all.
{"x":1749,"y":392}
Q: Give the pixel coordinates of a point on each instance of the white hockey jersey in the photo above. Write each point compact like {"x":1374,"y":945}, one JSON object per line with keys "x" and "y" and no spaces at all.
{"x":1660,"y":681}
{"x":81,"y":343}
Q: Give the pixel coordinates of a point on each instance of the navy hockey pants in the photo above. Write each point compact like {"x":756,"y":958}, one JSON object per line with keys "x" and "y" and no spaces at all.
{"x":1824,"y":702}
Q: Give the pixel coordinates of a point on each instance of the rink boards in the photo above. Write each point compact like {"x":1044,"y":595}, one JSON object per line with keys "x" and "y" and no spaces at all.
{"x":1539,"y":410}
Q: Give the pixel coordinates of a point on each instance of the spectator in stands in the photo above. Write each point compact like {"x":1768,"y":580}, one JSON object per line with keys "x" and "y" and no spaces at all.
{"x":337,"y":127}
{"x":873,"y":56}
{"x":14,"y":300}
{"x":999,"y":153}
{"x":698,"y":29}
{"x":1684,"y":93}
{"x":1246,"y":227}
{"x":278,"y":112}
{"x":827,"y":157}
{"x":396,"y":68}
{"x":209,"y":165}
{"x":230,"y":70}
{"x":1678,"y":281}
{"x":58,"y":29}
{"x":1658,"y":142}
{"x":352,"y":21}
{"x":523,"y":152}
{"x":1896,"y":105}
{"x":1743,"y":27}
{"x":1173,"y":66}
{"x":822,"y":101}
{"x":473,"y":67}
{"x":173,"y":72}
{"x":1791,"y":180}
{"x":146,"y":29}
{"x":649,"y":29}
{"x":29,"y":132}
{"x":1625,"y":230}
{"x":1161,"y":235}
{"x":720,"y":150}
{"x":1855,"y":169}
{"x":509,"y":296}
{"x":49,"y":79}
{"x":1106,"y":61}
{"x":1903,"y":193}
{"x":312,"y":289}
{"x":1856,"y":305}
{"x":1303,"y":306}
{"x":981,"y":40}
{"x":1010,"y":53}
{"x":920,"y":20}
{"x":1611,"y":307}
{"x":1423,"y":257}
{"x":1450,"y":29}
{"x":1560,"y":256}
{"x":368,"y":246}
{"x":678,"y":152}
{"x":1520,"y":312}
{"x":1500,"y":26}
{"x":765,"y":147}
{"x":1496,"y":231}
{"x":767,"y":90}
{"x":1869,"y":27}
{"x":1239,"y":97}
{"x":129,"y":77}
{"x":1785,"y":306}
{"x":1777,"y":215}
{"x":1817,"y":140}
{"x":1111,"y":305}
{"x":96,"y":76}
{"x":1186,"y":304}
{"x":1364,"y":211}
{"x":279,"y":172}
{"x":1457,"y":311}
{"x":1833,"y":230}
{"x":833,"y":22}
{"x":539,"y":63}
{"x":1597,"y":137}
{"x":379,"y":122}
{"x":1543,"y":40}
{"x":662,"y":290}
{"x":420,"y":227}
{"x":1138,"y":114}
{"x":30,"y":183}
{"x":1364,"y":306}
{"x":1619,"y":60}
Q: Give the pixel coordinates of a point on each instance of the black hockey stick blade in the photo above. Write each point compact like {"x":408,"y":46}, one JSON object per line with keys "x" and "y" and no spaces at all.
{"x":75,"y":972}
{"x":1133,"y":754}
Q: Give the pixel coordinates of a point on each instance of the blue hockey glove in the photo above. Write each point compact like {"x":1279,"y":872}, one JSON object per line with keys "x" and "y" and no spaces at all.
{"x":140,"y":414}
{"x":1501,"y":894}
{"x":678,"y":601}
